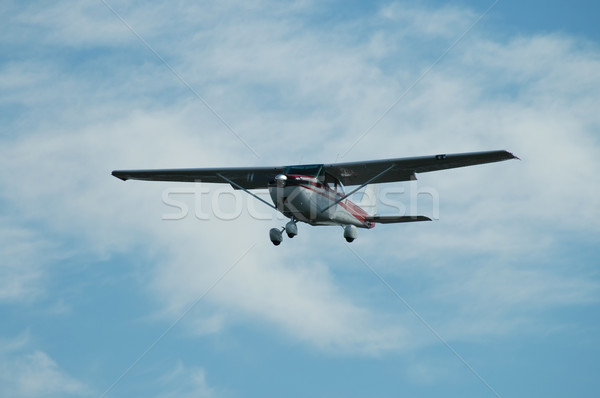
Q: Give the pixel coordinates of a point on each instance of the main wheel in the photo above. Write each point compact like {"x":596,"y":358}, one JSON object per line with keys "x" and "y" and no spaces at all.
{"x":291,"y":229}
{"x":276,"y":236}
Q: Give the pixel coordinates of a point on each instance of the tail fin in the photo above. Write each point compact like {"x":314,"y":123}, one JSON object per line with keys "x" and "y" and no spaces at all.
{"x":369,"y":199}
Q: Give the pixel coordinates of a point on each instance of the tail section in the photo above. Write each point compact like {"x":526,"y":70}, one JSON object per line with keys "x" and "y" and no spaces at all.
{"x":369,"y":199}
{"x":368,"y":203}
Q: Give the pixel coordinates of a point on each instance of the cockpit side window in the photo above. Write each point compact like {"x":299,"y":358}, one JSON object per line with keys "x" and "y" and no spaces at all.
{"x":333,"y":183}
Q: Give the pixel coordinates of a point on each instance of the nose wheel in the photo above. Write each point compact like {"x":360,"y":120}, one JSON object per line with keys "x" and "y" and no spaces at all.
{"x":276,"y":234}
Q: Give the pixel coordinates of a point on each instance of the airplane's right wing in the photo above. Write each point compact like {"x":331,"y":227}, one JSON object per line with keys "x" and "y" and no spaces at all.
{"x":246,"y":177}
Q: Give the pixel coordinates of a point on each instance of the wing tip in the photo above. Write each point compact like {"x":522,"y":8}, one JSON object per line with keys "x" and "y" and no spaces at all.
{"x":120,"y":175}
{"x":513,"y":156}
{"x":420,"y":218}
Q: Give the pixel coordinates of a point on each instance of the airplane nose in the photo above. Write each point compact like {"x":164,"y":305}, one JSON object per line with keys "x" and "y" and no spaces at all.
{"x":281,"y":180}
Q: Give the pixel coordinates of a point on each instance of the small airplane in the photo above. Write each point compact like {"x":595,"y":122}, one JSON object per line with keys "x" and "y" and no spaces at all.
{"x":314,"y":193}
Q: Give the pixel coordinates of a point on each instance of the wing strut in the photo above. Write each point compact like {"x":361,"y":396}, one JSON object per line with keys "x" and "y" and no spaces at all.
{"x":245,"y":190}
{"x":359,"y":187}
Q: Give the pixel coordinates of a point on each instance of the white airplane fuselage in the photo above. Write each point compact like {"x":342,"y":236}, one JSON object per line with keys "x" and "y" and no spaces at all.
{"x":306,"y":198}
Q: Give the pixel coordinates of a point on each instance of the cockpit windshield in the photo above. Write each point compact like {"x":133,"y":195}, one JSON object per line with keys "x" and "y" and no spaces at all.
{"x":312,"y":170}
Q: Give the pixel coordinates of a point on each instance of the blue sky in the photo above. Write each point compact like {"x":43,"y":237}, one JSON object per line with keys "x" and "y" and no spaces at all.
{"x":91,"y":274}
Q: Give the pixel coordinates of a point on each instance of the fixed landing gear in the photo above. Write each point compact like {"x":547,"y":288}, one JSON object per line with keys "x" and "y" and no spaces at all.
{"x":276,"y":234}
{"x":350,"y":233}
{"x":291,"y":229}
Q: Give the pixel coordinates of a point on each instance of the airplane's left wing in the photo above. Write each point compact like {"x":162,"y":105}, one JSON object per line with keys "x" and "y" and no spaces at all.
{"x":245,"y":177}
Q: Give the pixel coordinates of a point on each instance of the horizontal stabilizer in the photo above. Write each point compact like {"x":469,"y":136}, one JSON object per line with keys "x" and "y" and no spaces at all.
{"x":396,"y":219}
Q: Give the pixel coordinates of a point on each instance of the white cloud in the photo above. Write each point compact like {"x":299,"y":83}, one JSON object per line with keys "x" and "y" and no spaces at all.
{"x":299,"y":296}
{"x":26,"y":373}
{"x":68,"y":24}
{"x":445,"y":22}
{"x":21,"y":268}
{"x":183,"y":381}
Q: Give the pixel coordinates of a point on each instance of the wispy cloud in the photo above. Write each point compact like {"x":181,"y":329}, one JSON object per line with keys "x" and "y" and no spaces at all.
{"x":184,"y":381}
{"x":33,"y":373}
{"x":22,"y":271}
